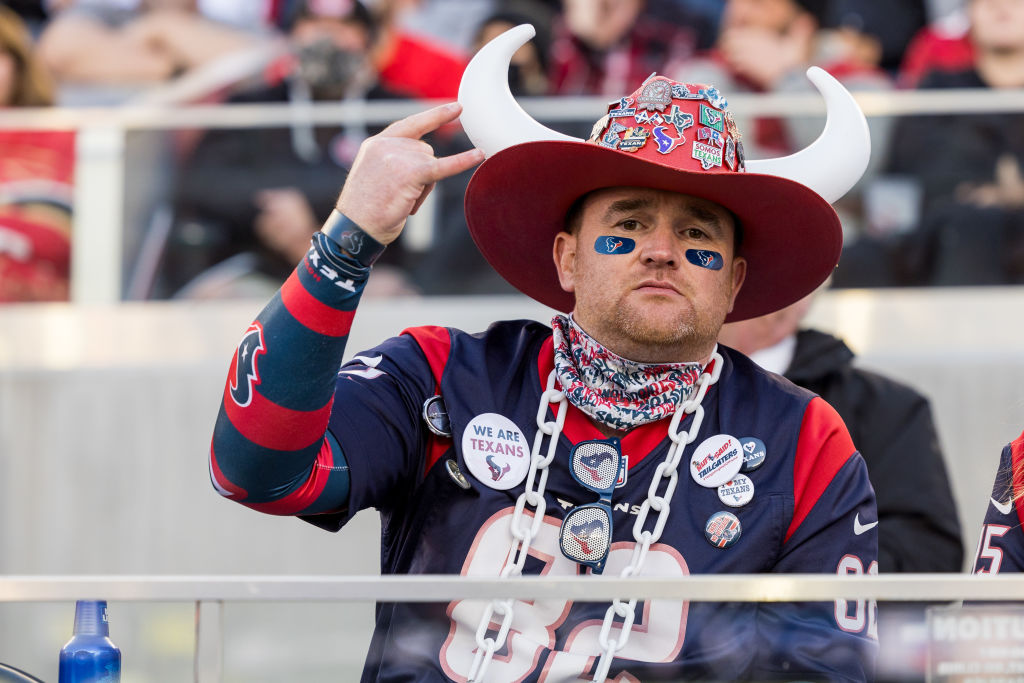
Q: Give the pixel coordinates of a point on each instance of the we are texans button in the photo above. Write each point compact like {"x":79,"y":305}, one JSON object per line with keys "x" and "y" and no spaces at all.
{"x":716,"y":460}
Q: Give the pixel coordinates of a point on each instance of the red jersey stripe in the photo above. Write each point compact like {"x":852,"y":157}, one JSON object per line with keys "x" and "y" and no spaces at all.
{"x":304,"y":496}
{"x":311,"y":312}
{"x":822,"y":450}
{"x":269,"y":425}
{"x":436,"y":344}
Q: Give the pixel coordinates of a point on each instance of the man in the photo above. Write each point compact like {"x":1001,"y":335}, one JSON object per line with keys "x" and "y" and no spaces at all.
{"x":485,"y":453}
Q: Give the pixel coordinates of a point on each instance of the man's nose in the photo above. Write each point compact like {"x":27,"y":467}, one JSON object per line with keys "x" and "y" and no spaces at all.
{"x":660,"y":248}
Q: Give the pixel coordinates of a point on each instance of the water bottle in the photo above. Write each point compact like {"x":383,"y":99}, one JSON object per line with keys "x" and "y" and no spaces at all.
{"x":90,"y":656}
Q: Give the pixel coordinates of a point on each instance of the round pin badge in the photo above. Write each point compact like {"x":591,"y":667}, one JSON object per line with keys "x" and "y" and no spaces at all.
{"x":753,"y":453}
{"x":737,"y":492}
{"x":716,"y":460}
{"x":723,"y":529}
{"x":495,"y":451}
{"x":456,"y":474}
{"x":435,"y":415}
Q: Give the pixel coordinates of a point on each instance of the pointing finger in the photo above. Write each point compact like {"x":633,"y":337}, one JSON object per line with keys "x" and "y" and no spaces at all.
{"x":455,"y":164}
{"x":418,"y":125}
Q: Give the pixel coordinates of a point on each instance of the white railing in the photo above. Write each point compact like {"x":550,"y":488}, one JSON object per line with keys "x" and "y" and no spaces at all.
{"x":209,"y":593}
{"x":99,"y":230}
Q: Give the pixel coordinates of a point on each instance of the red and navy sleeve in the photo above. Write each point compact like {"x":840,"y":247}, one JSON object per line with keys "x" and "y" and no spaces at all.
{"x":271,"y":450}
{"x":1001,"y":546}
{"x":833,"y":530}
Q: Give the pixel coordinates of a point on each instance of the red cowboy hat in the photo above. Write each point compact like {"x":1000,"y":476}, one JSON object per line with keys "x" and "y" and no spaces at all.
{"x":666,"y":136}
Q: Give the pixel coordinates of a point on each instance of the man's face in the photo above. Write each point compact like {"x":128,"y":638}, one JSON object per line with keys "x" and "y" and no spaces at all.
{"x":655,"y":303}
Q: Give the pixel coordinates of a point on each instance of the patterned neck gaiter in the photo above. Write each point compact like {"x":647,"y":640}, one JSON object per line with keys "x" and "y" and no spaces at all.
{"x":614,"y":391}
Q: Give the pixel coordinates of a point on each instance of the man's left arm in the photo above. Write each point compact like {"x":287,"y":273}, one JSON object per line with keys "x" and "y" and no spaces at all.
{"x":833,"y":530}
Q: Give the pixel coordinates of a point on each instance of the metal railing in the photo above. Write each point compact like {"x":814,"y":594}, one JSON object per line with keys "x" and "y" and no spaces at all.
{"x":209,"y":593}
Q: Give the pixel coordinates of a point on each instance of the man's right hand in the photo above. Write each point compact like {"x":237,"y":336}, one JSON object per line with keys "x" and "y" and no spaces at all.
{"x":395,"y":170}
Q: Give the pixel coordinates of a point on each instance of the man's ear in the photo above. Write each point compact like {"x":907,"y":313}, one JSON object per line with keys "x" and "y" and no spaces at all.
{"x":739,"y":274}
{"x":564,"y":253}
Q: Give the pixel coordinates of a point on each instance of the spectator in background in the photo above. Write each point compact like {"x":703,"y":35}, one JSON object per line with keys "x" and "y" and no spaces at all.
{"x":942,"y":44}
{"x":36,"y":169}
{"x":892,"y":426}
{"x":766,"y":46}
{"x":248,"y":201}
{"x":966,"y":168}
{"x":413,"y":64}
{"x":139,"y":42}
{"x":528,"y":70}
{"x":600,"y":47}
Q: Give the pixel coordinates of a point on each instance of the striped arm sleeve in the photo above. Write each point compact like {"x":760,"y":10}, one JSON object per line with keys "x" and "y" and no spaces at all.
{"x":271,"y":450}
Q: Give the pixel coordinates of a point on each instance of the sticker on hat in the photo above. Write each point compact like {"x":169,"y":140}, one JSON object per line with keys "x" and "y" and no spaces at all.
{"x":611,"y":137}
{"x":655,"y":95}
{"x":634,"y":139}
{"x":622,"y":108}
{"x":716,"y":460}
{"x":666,"y":143}
{"x":753,"y":453}
{"x":722,"y":529}
{"x":711,"y":117}
{"x":680,"y":119}
{"x":711,"y":135}
{"x":736,"y":492}
{"x":495,"y":451}
{"x":707,"y":155}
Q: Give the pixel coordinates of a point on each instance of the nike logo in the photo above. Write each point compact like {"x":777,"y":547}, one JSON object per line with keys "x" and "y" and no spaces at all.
{"x":1004,"y":508}
{"x":859,"y":528}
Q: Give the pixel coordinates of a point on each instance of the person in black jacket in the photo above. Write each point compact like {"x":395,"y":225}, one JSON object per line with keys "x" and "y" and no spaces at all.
{"x":893,"y":428}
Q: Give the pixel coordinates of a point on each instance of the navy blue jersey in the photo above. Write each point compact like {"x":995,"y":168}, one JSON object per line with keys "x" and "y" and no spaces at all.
{"x":812,"y":497}
{"x":1001,"y":547}
{"x":297,"y":436}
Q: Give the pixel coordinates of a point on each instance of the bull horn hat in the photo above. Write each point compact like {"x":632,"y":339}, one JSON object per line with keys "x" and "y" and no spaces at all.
{"x":666,"y":136}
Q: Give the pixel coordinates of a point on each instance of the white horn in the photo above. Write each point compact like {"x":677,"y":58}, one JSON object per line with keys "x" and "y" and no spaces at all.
{"x":833,"y":163}
{"x":491,"y":117}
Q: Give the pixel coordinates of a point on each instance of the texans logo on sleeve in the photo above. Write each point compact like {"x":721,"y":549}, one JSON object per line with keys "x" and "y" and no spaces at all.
{"x":246,"y":373}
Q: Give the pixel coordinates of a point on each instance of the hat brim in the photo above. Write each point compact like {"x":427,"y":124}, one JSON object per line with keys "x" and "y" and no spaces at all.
{"x":517,"y":200}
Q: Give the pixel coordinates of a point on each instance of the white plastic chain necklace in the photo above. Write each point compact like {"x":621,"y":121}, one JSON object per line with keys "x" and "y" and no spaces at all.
{"x":524,"y":531}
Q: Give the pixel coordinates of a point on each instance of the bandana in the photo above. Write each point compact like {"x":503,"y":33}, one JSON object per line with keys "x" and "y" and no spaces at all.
{"x":614,"y":391}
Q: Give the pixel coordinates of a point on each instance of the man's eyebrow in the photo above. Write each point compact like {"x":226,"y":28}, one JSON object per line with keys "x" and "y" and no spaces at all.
{"x":708,"y":217}
{"x":621,"y":206}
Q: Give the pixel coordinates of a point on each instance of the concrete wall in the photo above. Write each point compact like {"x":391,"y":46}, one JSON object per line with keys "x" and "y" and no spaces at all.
{"x":106,"y":416}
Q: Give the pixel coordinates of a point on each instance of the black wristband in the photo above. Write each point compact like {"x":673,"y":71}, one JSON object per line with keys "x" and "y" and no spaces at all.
{"x":344,"y":232}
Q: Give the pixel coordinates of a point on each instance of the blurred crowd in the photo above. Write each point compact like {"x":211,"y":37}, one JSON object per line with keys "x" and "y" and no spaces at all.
{"x":233,"y":209}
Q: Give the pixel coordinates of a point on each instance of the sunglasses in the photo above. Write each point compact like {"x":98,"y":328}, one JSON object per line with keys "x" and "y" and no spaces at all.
{"x":586,"y":533}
